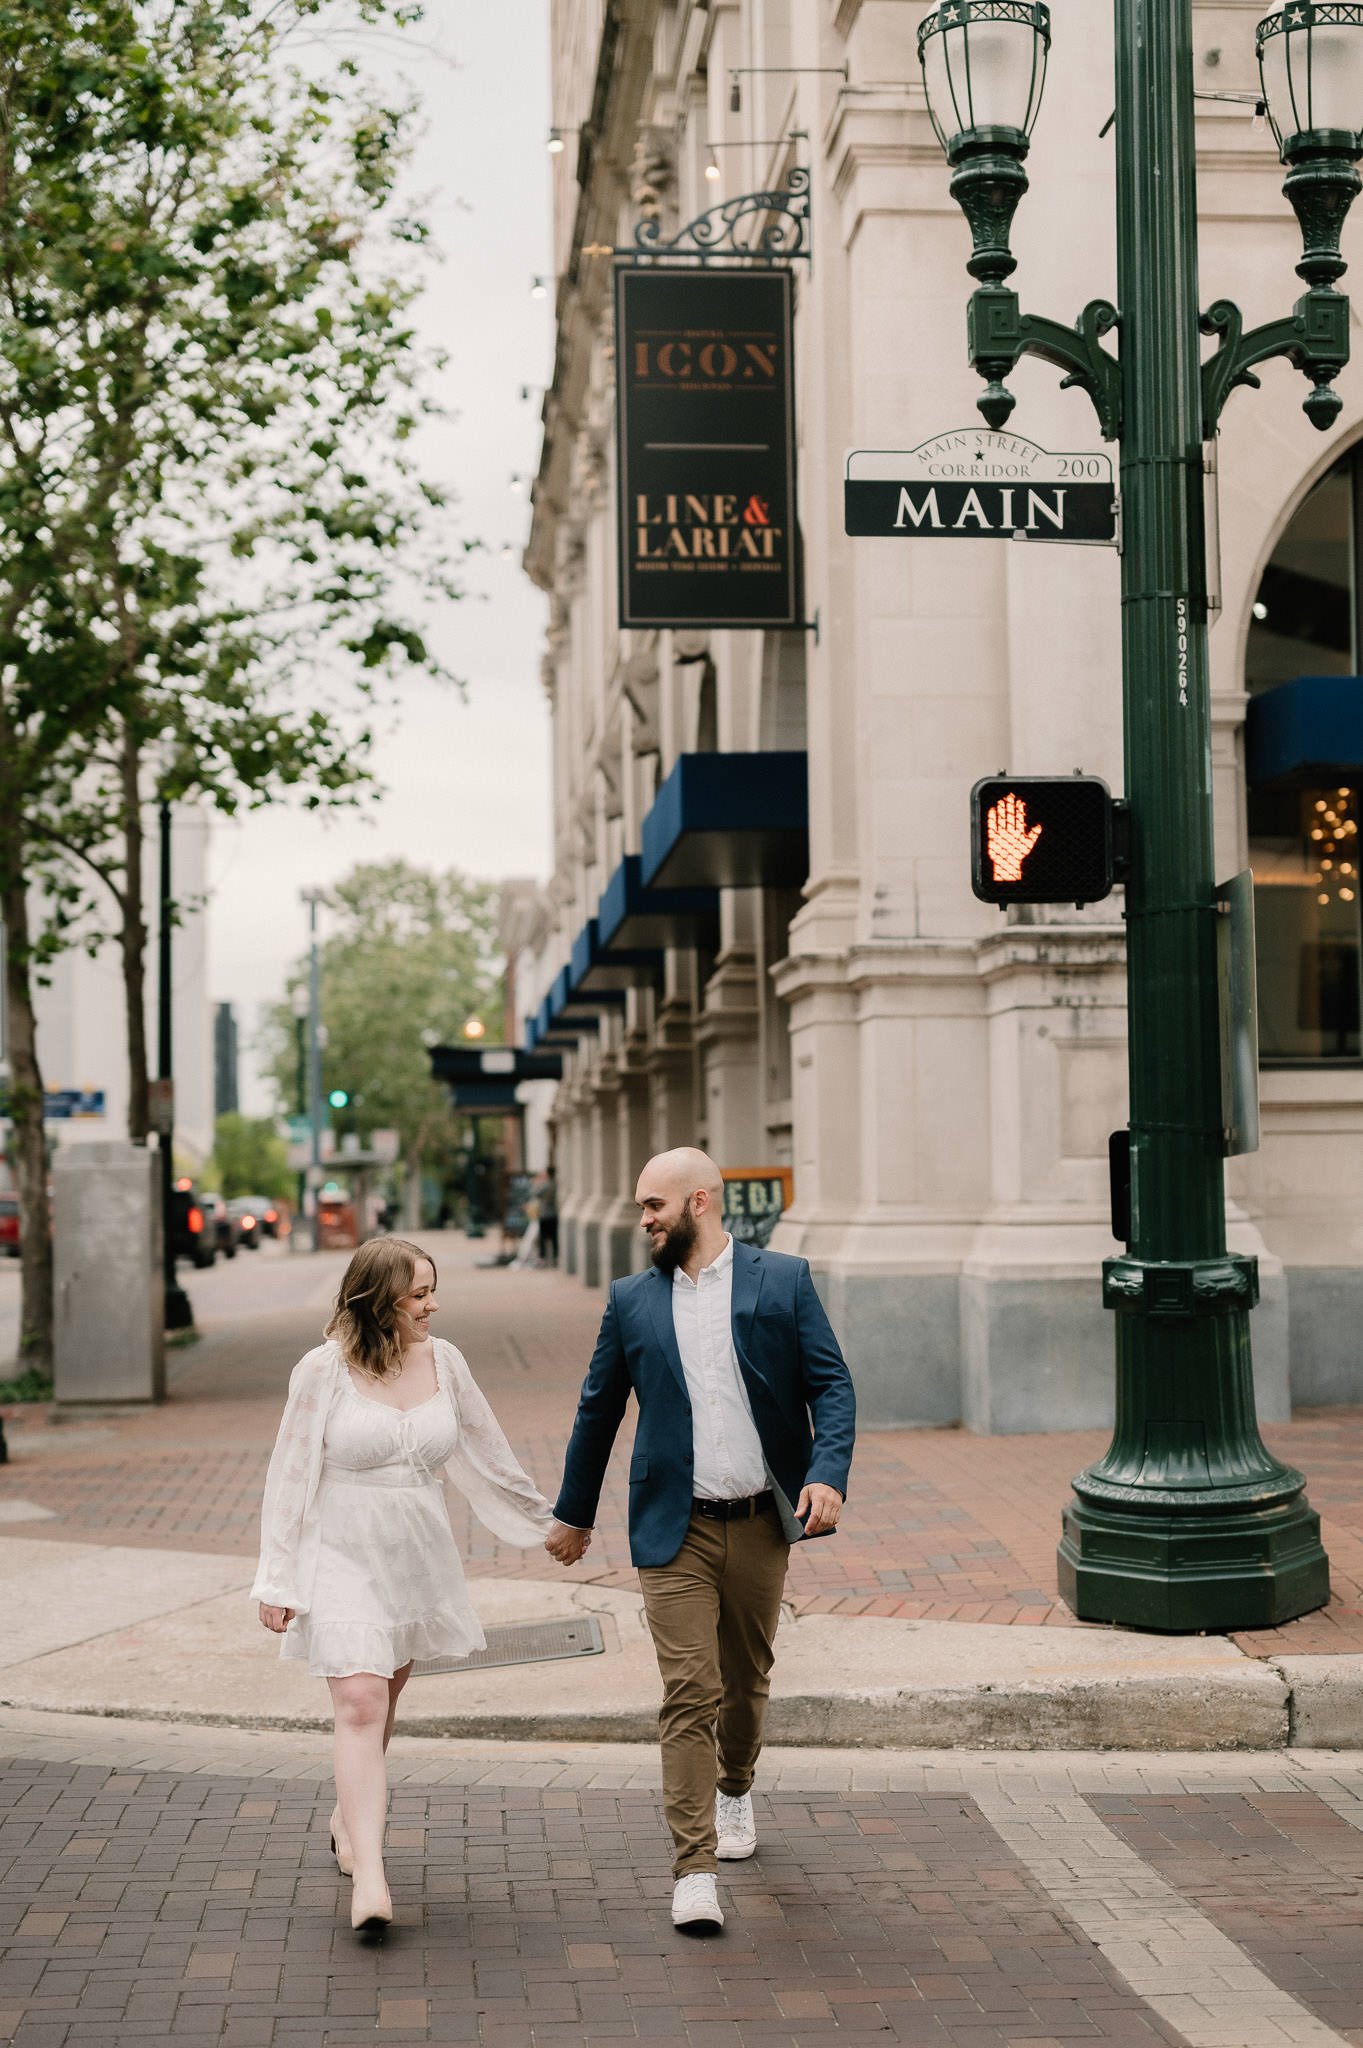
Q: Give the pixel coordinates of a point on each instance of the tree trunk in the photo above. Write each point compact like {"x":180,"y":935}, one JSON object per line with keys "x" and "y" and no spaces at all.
{"x":28,"y":1139}
{"x":132,"y":940}
{"x":411,"y":1206}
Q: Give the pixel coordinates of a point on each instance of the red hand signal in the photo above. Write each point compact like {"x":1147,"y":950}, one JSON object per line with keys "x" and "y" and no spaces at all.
{"x":1007,"y":838}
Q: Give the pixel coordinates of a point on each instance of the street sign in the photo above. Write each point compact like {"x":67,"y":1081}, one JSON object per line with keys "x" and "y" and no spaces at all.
{"x":1041,"y":839}
{"x":972,"y":484}
{"x":705,"y":411}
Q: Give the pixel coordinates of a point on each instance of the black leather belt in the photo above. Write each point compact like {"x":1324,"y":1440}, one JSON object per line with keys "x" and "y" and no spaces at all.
{"x":732,"y":1510}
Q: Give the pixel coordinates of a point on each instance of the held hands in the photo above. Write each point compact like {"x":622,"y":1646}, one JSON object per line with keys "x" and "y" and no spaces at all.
{"x":275,"y":1619}
{"x":822,"y":1504}
{"x":566,"y":1544}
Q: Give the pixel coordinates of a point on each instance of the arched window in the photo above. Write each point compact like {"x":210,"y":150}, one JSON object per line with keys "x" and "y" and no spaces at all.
{"x":1304,"y":764}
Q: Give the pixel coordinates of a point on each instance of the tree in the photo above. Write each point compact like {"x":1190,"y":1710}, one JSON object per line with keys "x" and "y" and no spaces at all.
{"x":412,"y":957}
{"x":208,"y":387}
{"x":250,"y":1158}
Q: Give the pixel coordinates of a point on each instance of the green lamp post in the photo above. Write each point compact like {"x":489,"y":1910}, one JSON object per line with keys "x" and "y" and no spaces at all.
{"x":1188,"y":1521}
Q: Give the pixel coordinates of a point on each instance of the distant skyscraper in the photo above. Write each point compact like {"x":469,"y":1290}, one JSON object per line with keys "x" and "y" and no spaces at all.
{"x":225,"y":1095}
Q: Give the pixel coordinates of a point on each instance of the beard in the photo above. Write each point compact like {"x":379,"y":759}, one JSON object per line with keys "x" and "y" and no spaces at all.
{"x":675,"y":1248}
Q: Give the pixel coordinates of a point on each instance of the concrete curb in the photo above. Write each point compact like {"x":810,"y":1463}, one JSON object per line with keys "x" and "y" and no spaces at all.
{"x":1251,"y":1709}
{"x":1078,"y":1717}
{"x":90,"y":1631}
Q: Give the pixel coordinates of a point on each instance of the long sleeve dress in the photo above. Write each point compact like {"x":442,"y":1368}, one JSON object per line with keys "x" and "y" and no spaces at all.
{"x":355,"y":1530}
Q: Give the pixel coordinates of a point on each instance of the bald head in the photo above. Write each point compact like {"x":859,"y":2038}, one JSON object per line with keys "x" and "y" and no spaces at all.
{"x":681,"y":1208}
{"x":683,"y":1171}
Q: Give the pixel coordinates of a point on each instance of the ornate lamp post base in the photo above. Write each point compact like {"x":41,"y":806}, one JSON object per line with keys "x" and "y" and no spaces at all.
{"x":1188,"y":1521}
{"x":1223,"y":1558}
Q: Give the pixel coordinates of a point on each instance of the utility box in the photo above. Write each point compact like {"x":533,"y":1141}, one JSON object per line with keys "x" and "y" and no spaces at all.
{"x":110,"y":1285}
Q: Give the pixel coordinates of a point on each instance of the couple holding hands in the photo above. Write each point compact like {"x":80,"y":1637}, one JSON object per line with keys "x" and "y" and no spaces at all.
{"x":742,"y":1447}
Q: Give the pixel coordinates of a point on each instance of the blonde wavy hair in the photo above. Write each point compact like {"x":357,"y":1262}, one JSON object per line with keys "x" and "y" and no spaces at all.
{"x":365,"y":1319}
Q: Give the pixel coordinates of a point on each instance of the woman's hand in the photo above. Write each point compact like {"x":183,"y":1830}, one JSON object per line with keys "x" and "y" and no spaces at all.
{"x":275,"y":1619}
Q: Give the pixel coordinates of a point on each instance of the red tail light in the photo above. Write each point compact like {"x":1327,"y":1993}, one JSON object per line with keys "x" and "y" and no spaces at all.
{"x":248,"y":1222}
{"x":272,"y":1215}
{"x":196,"y":1221}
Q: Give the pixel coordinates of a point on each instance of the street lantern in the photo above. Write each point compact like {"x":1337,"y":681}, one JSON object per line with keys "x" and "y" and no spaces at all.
{"x":984,"y":68}
{"x":1311,"y":65}
{"x":1188,"y":1521}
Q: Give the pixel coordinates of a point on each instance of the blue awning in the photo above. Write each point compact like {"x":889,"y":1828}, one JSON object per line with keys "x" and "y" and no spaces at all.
{"x":597,"y":971}
{"x":1305,"y":732}
{"x":730,"y":821}
{"x":637,"y":922}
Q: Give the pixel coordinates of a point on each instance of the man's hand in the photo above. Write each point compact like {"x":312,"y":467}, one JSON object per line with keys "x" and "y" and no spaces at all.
{"x":566,"y":1544}
{"x":823,"y":1504}
{"x":275,"y":1619}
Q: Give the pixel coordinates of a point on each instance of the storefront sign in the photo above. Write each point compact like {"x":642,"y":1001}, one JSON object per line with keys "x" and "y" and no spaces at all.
{"x":754,"y":1197}
{"x":706,"y":434}
{"x":969,"y":485}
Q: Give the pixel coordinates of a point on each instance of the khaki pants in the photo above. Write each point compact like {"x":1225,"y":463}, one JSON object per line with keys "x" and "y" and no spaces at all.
{"x":713,"y":1613}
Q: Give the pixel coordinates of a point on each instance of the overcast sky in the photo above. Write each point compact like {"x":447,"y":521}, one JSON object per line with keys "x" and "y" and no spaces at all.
{"x":466,"y":782}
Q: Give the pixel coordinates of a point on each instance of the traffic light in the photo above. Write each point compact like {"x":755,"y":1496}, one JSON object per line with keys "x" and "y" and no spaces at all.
{"x":1042,"y":839}
{"x":339,"y":1097}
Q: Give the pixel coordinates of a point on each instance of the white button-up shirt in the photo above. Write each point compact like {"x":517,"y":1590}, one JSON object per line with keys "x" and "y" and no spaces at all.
{"x":728,"y":1452}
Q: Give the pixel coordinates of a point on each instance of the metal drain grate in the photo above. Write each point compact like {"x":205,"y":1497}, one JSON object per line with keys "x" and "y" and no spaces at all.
{"x":532,"y":1642}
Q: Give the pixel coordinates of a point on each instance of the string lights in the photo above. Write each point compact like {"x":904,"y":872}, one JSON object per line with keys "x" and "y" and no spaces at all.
{"x":1332,"y":836}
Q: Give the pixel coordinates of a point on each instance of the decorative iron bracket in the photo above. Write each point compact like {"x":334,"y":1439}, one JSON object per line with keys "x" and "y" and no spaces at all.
{"x":1314,"y":339}
{"x":756,"y":227}
{"x":1000,"y":334}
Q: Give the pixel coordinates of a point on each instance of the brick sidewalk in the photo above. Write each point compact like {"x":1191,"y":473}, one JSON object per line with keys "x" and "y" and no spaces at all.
{"x":176,"y":1885}
{"x":941,"y":1525}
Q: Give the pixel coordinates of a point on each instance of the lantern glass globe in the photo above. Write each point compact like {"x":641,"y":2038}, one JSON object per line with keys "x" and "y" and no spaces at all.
{"x":984,"y":66}
{"x":1311,"y":68}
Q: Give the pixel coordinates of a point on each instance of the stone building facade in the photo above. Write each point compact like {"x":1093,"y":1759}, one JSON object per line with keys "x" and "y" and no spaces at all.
{"x":940,"y":1078}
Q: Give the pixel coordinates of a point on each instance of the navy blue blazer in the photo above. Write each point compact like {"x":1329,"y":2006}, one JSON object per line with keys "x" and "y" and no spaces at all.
{"x":791,"y":1366}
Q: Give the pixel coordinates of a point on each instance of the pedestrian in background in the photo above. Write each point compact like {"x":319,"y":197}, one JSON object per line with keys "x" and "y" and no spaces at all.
{"x":359,"y":1572}
{"x":547,"y":1196}
{"x":729,"y":1353}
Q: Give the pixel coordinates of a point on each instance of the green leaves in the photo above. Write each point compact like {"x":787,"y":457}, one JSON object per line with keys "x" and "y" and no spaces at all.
{"x":207,"y":381}
{"x":410,"y":956}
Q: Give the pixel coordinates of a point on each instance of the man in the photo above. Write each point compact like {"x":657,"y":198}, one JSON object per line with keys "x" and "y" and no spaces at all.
{"x":729,"y":1354}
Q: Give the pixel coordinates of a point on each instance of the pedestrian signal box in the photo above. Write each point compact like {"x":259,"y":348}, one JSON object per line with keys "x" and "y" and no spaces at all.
{"x":1041,"y":839}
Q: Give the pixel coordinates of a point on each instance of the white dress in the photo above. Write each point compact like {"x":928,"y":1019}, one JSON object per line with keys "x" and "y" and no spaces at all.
{"x":356,"y":1536}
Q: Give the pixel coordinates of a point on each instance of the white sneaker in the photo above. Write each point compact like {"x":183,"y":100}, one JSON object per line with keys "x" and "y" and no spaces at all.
{"x":735,"y":1826}
{"x":695,"y":1905}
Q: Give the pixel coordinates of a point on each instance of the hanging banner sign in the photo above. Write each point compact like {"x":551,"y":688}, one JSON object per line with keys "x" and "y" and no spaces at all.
{"x":706,"y":445}
{"x":980,"y":485}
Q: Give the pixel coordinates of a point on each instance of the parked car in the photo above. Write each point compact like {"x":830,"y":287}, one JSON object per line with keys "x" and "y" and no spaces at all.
{"x":9,"y":1226}
{"x":222,"y":1222}
{"x":247,"y":1212}
{"x":191,"y":1233}
{"x":270,"y":1221}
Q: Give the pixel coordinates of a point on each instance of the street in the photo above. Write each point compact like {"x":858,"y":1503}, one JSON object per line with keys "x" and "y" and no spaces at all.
{"x":166,"y":1784}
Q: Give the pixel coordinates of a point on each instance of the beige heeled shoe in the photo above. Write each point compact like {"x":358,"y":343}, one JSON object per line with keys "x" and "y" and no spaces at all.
{"x":345,"y":1864}
{"x":371,"y":1914}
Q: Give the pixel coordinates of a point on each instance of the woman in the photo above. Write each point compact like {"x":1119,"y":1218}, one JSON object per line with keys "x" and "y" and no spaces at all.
{"x":358,"y":1567}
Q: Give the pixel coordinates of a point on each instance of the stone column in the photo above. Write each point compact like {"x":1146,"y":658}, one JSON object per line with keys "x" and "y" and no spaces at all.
{"x":670,"y":1059}
{"x":727,"y":1034}
{"x":623,"y":1249}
